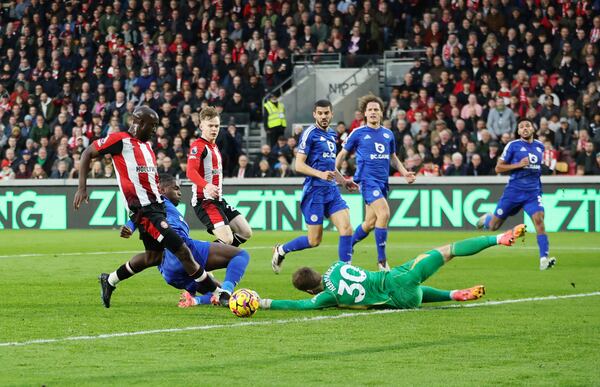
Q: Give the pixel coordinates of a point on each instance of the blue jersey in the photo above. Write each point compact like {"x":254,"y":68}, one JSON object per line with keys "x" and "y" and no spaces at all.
{"x":373,"y":148}
{"x":527,"y":178}
{"x":319,"y":147}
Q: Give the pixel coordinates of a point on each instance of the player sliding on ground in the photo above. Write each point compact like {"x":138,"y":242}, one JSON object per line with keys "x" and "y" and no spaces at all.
{"x":211,"y":256}
{"x":348,"y":286}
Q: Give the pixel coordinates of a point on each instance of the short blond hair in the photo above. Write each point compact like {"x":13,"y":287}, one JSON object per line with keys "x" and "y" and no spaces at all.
{"x":208,"y":113}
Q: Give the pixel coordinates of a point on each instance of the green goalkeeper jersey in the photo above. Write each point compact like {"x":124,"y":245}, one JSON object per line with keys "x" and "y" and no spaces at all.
{"x":345,"y":286}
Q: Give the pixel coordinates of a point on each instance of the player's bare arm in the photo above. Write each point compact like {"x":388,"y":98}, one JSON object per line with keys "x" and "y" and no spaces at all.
{"x":84,"y":166}
{"x":502,"y":166}
{"x":307,"y":170}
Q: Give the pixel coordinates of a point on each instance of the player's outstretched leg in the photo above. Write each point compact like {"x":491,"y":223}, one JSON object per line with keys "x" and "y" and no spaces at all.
{"x":108,"y":282}
{"x":438,"y":295}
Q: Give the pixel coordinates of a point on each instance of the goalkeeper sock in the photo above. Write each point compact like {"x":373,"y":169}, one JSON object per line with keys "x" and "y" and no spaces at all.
{"x":435,"y":295}
{"x":297,"y":244}
{"x":381,"y":240}
{"x":359,"y":235}
{"x":235,"y":270}
{"x":473,"y":245}
{"x":345,"y":248}
{"x":543,"y":244}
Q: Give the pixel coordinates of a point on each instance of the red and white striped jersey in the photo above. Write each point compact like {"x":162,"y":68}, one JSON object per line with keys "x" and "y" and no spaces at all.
{"x":205,"y":159}
{"x":135,"y":166}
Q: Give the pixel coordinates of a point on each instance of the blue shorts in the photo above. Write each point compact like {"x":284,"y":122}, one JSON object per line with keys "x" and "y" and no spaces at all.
{"x":511,"y":203}
{"x":372,"y":190}
{"x":172,"y":270}
{"x":321,"y":202}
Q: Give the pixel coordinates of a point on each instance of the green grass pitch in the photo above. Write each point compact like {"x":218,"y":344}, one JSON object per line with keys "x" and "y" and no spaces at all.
{"x":51,"y":292}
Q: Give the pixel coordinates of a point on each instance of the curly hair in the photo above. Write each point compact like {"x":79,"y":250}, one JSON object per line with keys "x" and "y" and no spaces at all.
{"x":367,"y":99}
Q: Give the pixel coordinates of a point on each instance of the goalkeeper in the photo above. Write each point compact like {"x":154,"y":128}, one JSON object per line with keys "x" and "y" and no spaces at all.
{"x":348,"y":286}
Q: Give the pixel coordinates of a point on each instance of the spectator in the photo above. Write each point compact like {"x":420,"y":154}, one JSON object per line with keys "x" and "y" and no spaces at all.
{"x":264,"y":169}
{"x":457,"y":168}
{"x":476,"y":166}
{"x":6,"y":173}
{"x":38,"y":172}
{"x":501,"y":119}
{"x":429,"y":168}
{"x":61,"y":171}
{"x":267,"y":155}
{"x":243,"y":169}
{"x":586,"y":160}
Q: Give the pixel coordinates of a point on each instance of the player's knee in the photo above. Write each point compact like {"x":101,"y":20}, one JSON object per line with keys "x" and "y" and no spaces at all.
{"x":369,"y":225}
{"x":346,"y":230}
{"x":245,"y":233}
{"x":226,"y":239}
{"x":152,"y":259}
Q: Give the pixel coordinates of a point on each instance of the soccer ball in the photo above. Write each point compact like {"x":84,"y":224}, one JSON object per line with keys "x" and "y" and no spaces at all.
{"x":244,"y":303}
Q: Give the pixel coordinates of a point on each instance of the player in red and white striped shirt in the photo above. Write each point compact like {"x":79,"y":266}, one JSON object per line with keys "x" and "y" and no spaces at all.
{"x":205,"y":170}
{"x":137,"y":175}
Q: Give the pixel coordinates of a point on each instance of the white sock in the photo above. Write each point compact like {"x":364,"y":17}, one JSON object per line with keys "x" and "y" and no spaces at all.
{"x":113,"y":280}
{"x":280,"y":250}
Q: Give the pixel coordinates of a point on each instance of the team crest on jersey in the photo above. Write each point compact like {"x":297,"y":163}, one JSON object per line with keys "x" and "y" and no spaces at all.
{"x":314,"y":218}
{"x":102,"y":141}
{"x":386,"y":135}
{"x":376,"y":193}
{"x":164,"y":224}
{"x":194,"y":150}
{"x":500,"y":211}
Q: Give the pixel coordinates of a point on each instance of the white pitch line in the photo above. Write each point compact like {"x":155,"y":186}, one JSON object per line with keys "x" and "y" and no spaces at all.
{"x":290,"y":321}
{"x":399,"y":244}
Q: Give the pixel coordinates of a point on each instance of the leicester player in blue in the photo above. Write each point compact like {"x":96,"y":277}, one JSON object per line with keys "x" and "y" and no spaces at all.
{"x":211,"y":256}
{"x":522,"y":158}
{"x":321,"y":197}
{"x":375,"y":148}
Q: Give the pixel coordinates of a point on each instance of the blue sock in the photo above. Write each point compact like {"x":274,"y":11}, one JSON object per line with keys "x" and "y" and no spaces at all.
{"x":380,"y":239}
{"x":345,"y":248}
{"x":486,"y":222}
{"x":543,"y":244}
{"x":359,"y":235}
{"x":203,"y":299}
{"x":235,"y":270}
{"x":299,"y":243}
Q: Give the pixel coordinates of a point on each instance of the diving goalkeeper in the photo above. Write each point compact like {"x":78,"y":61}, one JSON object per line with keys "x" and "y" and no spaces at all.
{"x":348,"y":286}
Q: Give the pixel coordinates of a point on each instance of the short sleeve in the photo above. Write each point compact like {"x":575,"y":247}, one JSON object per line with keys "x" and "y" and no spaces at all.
{"x":507,"y":154}
{"x":352,"y":141}
{"x":305,"y":142}
{"x":392,"y":143}
{"x":111,"y":144}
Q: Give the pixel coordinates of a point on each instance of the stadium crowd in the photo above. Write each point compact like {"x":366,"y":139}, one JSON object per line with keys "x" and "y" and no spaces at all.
{"x":73,"y":71}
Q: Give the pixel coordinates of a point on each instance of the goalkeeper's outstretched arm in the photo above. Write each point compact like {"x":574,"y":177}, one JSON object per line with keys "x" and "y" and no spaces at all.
{"x":320,"y":301}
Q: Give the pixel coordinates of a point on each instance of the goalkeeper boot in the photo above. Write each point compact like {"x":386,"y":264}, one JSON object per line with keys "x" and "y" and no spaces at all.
{"x":547,"y":262}
{"x":509,"y":237}
{"x":106,"y":289}
{"x":186,"y":300}
{"x":470,"y":294}
{"x":277,"y":259}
